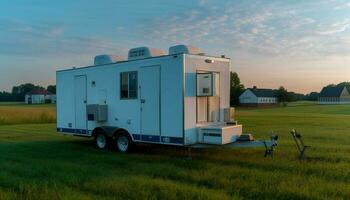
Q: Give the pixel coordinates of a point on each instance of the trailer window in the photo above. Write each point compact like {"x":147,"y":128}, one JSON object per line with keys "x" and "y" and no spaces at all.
{"x":128,"y":85}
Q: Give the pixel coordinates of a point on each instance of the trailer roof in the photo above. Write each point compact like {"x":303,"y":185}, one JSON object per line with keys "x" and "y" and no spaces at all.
{"x":125,"y":61}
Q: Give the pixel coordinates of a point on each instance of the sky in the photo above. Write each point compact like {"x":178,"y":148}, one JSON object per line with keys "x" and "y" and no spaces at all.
{"x":301,"y":45}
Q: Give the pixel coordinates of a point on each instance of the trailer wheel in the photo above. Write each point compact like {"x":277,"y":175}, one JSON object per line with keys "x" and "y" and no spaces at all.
{"x":101,"y":140}
{"x":123,"y":142}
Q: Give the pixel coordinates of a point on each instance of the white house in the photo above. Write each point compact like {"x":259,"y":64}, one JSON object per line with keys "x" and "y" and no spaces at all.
{"x":39,"y":96}
{"x":256,"y":97}
{"x":179,"y":98}
{"x":334,"y":95}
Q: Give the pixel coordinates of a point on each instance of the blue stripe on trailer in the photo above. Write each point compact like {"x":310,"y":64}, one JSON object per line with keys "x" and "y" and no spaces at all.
{"x":72,"y":130}
{"x":150,"y":138}
{"x":174,"y":140}
{"x":157,"y":139}
{"x":136,"y":136}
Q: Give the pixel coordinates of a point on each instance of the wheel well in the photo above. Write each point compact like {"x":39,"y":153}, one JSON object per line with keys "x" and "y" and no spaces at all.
{"x":112,"y":132}
{"x":96,"y":130}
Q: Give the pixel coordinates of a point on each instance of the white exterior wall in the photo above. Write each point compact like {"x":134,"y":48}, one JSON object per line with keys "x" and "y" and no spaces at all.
{"x":248,"y":97}
{"x":124,"y":113}
{"x":330,"y":100}
{"x":267,"y":100}
{"x":194,"y":63}
{"x":53,"y":98}
{"x":35,"y":98}
{"x":345,"y":96}
{"x":26,"y":98}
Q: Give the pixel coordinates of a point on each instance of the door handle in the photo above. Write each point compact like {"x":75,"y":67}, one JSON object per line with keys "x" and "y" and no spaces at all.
{"x":143,"y":100}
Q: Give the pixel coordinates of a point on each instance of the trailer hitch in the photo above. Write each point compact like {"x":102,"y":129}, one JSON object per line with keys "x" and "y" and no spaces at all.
{"x":269,"y":149}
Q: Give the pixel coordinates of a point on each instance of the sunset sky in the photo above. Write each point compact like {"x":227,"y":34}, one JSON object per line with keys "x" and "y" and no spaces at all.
{"x":302,"y":45}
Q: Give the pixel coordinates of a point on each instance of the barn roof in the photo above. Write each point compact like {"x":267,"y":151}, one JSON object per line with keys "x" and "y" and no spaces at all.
{"x":332,"y":91}
{"x":39,"y":91}
{"x":263,"y":92}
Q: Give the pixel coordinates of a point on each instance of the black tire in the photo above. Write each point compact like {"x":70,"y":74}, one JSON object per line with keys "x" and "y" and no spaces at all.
{"x":123,"y":142}
{"x":101,"y":140}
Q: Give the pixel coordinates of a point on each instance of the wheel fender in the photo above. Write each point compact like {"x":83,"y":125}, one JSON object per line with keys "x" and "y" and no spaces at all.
{"x":96,"y":130}
{"x":108,"y":130}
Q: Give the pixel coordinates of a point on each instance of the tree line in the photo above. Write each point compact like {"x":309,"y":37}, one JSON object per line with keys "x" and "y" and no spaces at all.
{"x":282,"y":94}
{"x":18,"y":92}
{"x":237,"y":88}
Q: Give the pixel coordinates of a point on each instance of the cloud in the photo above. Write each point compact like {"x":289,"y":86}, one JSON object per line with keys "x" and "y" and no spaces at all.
{"x":14,"y":26}
{"x":55,"y":31}
{"x":203,"y":2}
{"x":261,"y":28}
{"x":269,"y":29}
{"x":48,"y":40}
{"x":342,"y":6}
{"x":337,"y":27}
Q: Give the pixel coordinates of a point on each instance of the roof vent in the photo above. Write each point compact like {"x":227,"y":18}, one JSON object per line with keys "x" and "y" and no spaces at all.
{"x":144,"y":52}
{"x":185,"y":49}
{"x":107,"y":59}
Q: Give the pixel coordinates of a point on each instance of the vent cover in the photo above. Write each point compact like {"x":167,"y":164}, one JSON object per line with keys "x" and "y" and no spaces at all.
{"x":144,"y":52}
{"x":107,"y":59}
{"x":185,"y":49}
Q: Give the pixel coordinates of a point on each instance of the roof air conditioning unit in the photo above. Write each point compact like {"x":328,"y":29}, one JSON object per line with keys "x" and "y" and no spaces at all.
{"x":107,"y":59}
{"x":144,"y":52}
{"x":184,"y":49}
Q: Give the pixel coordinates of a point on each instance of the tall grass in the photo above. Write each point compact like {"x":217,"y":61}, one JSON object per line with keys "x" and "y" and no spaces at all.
{"x":27,"y":114}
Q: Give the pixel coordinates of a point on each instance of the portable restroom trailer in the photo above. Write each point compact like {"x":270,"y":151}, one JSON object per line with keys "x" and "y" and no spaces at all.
{"x":177,"y":99}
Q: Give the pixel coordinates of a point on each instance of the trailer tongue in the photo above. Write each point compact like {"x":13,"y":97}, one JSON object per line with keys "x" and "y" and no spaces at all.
{"x":268,"y":145}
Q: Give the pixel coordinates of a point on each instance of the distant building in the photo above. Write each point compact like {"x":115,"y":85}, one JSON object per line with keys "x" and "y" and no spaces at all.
{"x":334,"y":95}
{"x":258,"y":97}
{"x":40,"y":96}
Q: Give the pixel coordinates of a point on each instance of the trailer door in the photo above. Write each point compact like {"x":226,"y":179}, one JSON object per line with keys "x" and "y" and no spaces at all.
{"x":80,"y":102}
{"x":149,"y":85}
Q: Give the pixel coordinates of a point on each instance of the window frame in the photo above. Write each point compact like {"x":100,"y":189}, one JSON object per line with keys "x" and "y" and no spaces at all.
{"x":128,"y":82}
{"x":211,"y":86}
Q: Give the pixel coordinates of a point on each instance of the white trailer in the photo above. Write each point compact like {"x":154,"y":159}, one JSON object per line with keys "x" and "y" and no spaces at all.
{"x":180,"y":98}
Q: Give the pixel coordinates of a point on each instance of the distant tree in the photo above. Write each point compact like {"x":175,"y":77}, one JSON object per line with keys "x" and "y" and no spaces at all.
{"x":312,"y":96}
{"x":283,"y":96}
{"x":20,"y":91}
{"x":331,"y":85}
{"x":6,"y":96}
{"x":52,"y":89}
{"x":295,"y":96}
{"x":236,"y":89}
{"x":346,"y":84}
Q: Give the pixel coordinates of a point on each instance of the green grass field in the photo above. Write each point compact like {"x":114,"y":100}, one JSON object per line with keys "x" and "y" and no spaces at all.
{"x":37,"y":163}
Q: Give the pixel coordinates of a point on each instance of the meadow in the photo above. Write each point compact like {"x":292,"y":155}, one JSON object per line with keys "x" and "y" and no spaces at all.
{"x":19,"y":113}
{"x":37,"y":163}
